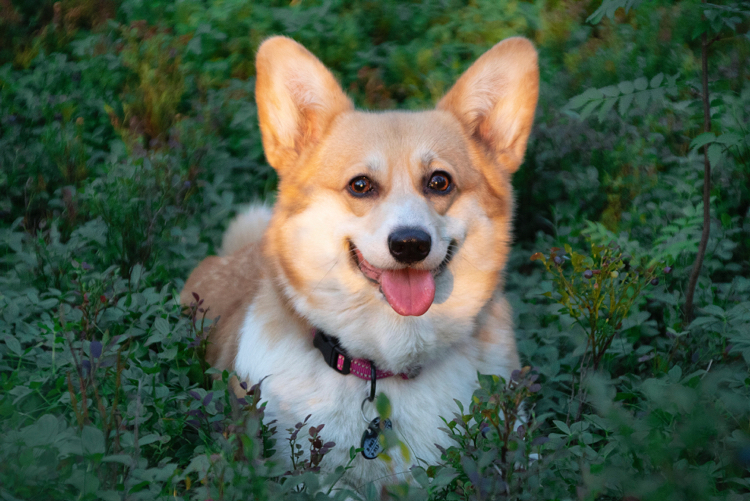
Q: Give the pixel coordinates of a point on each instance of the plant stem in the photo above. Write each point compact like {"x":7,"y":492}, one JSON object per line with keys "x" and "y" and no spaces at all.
{"x":688,"y":309}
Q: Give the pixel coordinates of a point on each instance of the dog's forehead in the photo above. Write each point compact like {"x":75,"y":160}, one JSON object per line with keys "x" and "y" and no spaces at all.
{"x":396,"y":139}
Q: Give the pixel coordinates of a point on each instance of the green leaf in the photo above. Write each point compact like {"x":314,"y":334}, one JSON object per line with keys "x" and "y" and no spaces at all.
{"x":624,"y":104}
{"x":383,"y":405}
{"x":715,"y":152}
{"x":675,"y":374}
{"x":13,"y":345}
{"x":118,"y":458}
{"x":702,"y":139}
{"x":92,"y":440}
{"x":611,"y":91}
{"x":641,"y":99}
{"x":626,"y":87}
{"x":656,"y":81}
{"x":640,"y":83}
{"x":729,"y":139}
{"x":420,"y":476}
{"x":585,"y":97}
{"x":589,"y":108}
{"x":606,"y":107}
{"x":162,"y":325}
{"x":562,"y":426}
{"x":714,"y":310}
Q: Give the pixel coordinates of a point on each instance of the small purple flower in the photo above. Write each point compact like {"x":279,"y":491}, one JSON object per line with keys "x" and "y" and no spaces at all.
{"x":86,"y":266}
{"x":96,"y":349}
{"x":558,"y":260}
{"x":588,"y":274}
{"x":667,"y":270}
{"x":655,"y":281}
{"x":187,"y":184}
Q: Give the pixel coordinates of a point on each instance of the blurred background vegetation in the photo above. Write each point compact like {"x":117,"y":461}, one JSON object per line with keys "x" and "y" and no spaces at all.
{"x":128,"y":137}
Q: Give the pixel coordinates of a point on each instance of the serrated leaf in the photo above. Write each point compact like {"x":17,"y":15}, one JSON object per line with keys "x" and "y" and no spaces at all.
{"x":641,"y":99}
{"x":606,"y":107}
{"x":589,"y":108}
{"x":624,"y":104}
{"x":729,"y":139}
{"x":626,"y":87}
{"x":715,"y":152}
{"x":611,"y":91}
{"x":583,"y":98}
{"x":656,"y":81}
{"x":640,"y":83}
{"x":702,"y":139}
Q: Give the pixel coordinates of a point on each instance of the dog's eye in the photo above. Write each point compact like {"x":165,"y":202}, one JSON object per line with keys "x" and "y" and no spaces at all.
{"x":360,"y":186}
{"x":440,"y":182}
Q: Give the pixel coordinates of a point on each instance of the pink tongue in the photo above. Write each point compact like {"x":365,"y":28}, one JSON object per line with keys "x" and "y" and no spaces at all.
{"x":410,"y":292}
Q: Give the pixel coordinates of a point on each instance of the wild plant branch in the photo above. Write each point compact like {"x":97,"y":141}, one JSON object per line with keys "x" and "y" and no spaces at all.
{"x":695,"y":273}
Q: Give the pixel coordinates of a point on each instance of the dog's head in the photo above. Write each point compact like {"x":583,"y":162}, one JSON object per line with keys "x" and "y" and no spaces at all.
{"x":387,"y":222}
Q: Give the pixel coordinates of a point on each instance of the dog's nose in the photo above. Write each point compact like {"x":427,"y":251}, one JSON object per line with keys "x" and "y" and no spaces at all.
{"x":409,"y":245}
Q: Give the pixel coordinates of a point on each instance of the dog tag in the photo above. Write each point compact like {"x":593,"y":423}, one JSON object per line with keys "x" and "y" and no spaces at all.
{"x":371,"y":446}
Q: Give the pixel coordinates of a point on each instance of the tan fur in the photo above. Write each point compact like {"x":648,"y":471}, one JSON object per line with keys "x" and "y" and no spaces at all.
{"x":227,"y":285}
{"x":270,"y":291}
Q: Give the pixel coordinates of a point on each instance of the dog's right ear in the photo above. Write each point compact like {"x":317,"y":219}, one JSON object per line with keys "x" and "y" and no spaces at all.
{"x":297,"y":99}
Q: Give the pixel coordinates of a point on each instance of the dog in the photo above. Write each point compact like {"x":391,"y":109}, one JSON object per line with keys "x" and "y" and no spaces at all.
{"x":381,"y":261}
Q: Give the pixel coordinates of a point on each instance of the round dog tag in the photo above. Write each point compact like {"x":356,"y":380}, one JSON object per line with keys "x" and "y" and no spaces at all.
{"x":371,"y":446}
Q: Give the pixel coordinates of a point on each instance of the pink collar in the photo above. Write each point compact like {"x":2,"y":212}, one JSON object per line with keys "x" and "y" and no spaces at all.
{"x":337,"y":358}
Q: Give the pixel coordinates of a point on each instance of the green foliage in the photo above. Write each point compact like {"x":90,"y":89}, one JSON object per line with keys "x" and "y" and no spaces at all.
{"x":598,"y":291}
{"x":128,"y":136}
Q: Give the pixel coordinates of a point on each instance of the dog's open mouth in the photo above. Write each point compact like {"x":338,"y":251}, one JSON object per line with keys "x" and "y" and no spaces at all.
{"x":409,"y":291}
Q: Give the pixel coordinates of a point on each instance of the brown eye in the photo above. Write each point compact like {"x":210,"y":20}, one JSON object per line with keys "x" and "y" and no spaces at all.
{"x":360,"y":186}
{"x":440,"y":182}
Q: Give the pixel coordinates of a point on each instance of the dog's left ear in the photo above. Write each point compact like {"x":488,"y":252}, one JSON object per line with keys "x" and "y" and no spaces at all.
{"x":495,"y":100}
{"x":297,"y":98}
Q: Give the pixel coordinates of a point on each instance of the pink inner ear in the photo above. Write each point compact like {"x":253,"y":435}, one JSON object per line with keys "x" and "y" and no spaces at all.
{"x":297,"y":99}
{"x":496,"y":97}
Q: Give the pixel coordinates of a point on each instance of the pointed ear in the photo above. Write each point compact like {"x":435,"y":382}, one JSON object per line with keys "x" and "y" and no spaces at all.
{"x":495,"y":100}
{"x":297,"y":99}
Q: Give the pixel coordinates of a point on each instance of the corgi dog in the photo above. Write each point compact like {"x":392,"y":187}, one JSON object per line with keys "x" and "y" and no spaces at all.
{"x":381,"y":262}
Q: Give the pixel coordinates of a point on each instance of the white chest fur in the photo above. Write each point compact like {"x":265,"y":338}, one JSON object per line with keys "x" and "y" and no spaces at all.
{"x":298,"y":383}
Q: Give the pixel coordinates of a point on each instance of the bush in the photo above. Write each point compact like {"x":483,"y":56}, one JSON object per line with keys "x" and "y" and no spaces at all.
{"x":128,"y":137}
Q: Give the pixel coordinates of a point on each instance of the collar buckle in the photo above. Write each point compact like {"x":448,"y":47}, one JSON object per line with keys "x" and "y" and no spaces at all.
{"x":333,"y":354}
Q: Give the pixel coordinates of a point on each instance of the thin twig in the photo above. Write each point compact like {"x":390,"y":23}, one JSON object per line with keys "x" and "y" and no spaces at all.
{"x":688,"y":310}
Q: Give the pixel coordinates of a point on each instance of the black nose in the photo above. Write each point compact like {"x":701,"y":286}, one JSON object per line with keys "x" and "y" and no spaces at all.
{"x":409,"y":245}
